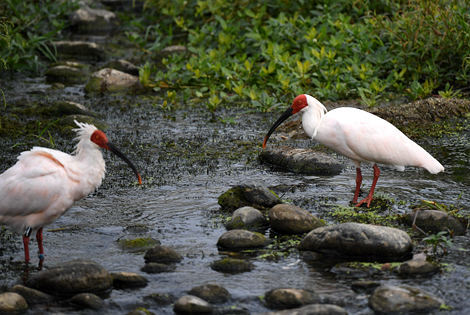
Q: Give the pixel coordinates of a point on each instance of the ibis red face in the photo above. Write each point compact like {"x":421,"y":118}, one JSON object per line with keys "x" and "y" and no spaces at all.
{"x":297,"y":105}
{"x":101,"y":140}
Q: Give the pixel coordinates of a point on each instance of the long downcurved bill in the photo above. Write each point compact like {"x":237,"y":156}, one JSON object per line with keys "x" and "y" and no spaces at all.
{"x":116,"y":151}
{"x":281,"y":119}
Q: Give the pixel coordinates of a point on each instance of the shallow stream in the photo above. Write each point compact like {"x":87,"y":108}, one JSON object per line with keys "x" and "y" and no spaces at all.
{"x":187,"y":161}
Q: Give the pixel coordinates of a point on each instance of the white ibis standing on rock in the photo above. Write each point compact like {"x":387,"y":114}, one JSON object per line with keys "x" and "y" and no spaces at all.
{"x":359,"y":135}
{"x":44,"y":183}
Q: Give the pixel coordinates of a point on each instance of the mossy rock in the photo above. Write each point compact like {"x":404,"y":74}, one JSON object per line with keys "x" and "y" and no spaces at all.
{"x":138,"y":244}
{"x":258,"y":197}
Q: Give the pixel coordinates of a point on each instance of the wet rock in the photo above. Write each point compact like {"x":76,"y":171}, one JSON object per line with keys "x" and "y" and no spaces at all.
{"x":232,"y":265}
{"x":163,"y":255}
{"x":417,"y":266}
{"x":125,"y":280}
{"x":87,"y":300}
{"x":302,"y":161}
{"x":355,"y":270}
{"x":247,"y":218}
{"x":139,"y":244}
{"x":366,"y":286}
{"x":160,"y":298}
{"x":140,"y":311}
{"x":241,"y":239}
{"x":366,"y":241}
{"x":212,"y":293}
{"x":32,"y":296}
{"x":111,"y":80}
{"x":124,"y":66}
{"x":11,"y":302}
{"x":153,"y":267}
{"x":190,"y":304}
{"x":248,"y":195}
{"x":312,"y":309}
{"x":67,"y":72}
{"x":290,"y":298}
{"x":231,"y":310}
{"x":79,"y":50}
{"x":291,"y":219}
{"x":93,"y":21}
{"x":402,"y":299}
{"x":434,"y":221}
{"x":73,"y":277}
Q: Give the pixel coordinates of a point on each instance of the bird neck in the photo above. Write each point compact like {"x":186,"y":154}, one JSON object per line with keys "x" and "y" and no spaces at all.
{"x":311,"y":118}
{"x":91,"y":164}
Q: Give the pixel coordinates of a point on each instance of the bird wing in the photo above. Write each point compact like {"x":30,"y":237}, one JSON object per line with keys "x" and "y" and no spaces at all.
{"x":362,"y":137}
{"x":33,"y":184}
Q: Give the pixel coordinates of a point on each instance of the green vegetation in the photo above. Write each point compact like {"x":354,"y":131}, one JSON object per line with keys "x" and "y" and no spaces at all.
{"x":27,"y":28}
{"x":264,"y":53}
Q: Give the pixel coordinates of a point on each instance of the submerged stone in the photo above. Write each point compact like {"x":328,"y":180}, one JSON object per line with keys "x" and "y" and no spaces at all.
{"x":190,"y":304}
{"x":32,"y":296}
{"x":153,"y":267}
{"x":11,"y":303}
{"x":302,"y":161}
{"x":87,"y":300}
{"x":139,"y":244}
{"x":93,"y":21}
{"x":125,"y":280}
{"x":111,"y":80}
{"x":434,"y":221}
{"x":124,"y":66}
{"x":67,"y":73}
{"x":79,"y":50}
{"x":312,"y":309}
{"x":290,"y":298}
{"x":232,"y":265}
{"x":417,"y":266}
{"x":212,"y":293}
{"x":162,"y":254}
{"x":290,"y":219}
{"x":247,"y":218}
{"x":73,"y":277}
{"x":403,"y":299}
{"x":248,"y":195}
{"x":241,"y":239}
{"x":369,"y":242}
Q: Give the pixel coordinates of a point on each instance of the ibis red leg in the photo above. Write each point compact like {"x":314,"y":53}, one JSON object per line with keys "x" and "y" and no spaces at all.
{"x":368,"y":199}
{"x":358,"y":184}
{"x":39,"y":240}
{"x":26,"y":248}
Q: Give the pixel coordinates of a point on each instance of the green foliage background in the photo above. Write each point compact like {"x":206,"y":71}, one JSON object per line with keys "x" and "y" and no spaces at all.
{"x":270,"y":51}
{"x":262,"y":53}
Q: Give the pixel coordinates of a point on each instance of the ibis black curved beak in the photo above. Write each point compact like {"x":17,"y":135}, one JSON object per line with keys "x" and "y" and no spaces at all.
{"x":281,"y":119}
{"x":116,"y":151}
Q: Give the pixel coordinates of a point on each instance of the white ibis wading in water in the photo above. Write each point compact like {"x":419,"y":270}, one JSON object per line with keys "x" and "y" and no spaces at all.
{"x":44,"y":183}
{"x":359,"y":135}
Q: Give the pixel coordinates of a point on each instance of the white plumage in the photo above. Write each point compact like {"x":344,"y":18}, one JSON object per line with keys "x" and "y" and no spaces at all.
{"x":44,"y":183}
{"x":360,"y":136}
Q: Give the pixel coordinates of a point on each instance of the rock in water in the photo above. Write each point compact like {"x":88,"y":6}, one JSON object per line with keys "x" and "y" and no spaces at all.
{"x":77,"y":276}
{"x":402,"y":299}
{"x":291,"y":219}
{"x":369,"y":242}
{"x":302,"y":161}
{"x":248,"y":195}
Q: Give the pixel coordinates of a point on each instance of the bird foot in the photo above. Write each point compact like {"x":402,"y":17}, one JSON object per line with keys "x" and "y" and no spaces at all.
{"x":366,"y":200}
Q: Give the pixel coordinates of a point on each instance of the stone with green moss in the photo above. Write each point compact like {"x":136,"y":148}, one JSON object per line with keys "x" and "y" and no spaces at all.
{"x":248,"y":195}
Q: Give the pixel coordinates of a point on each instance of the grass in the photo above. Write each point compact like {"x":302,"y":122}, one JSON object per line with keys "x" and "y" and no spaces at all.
{"x":261,"y":54}
{"x":26,"y":30}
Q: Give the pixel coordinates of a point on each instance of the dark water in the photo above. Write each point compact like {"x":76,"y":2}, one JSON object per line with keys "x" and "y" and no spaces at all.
{"x":186,"y":162}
